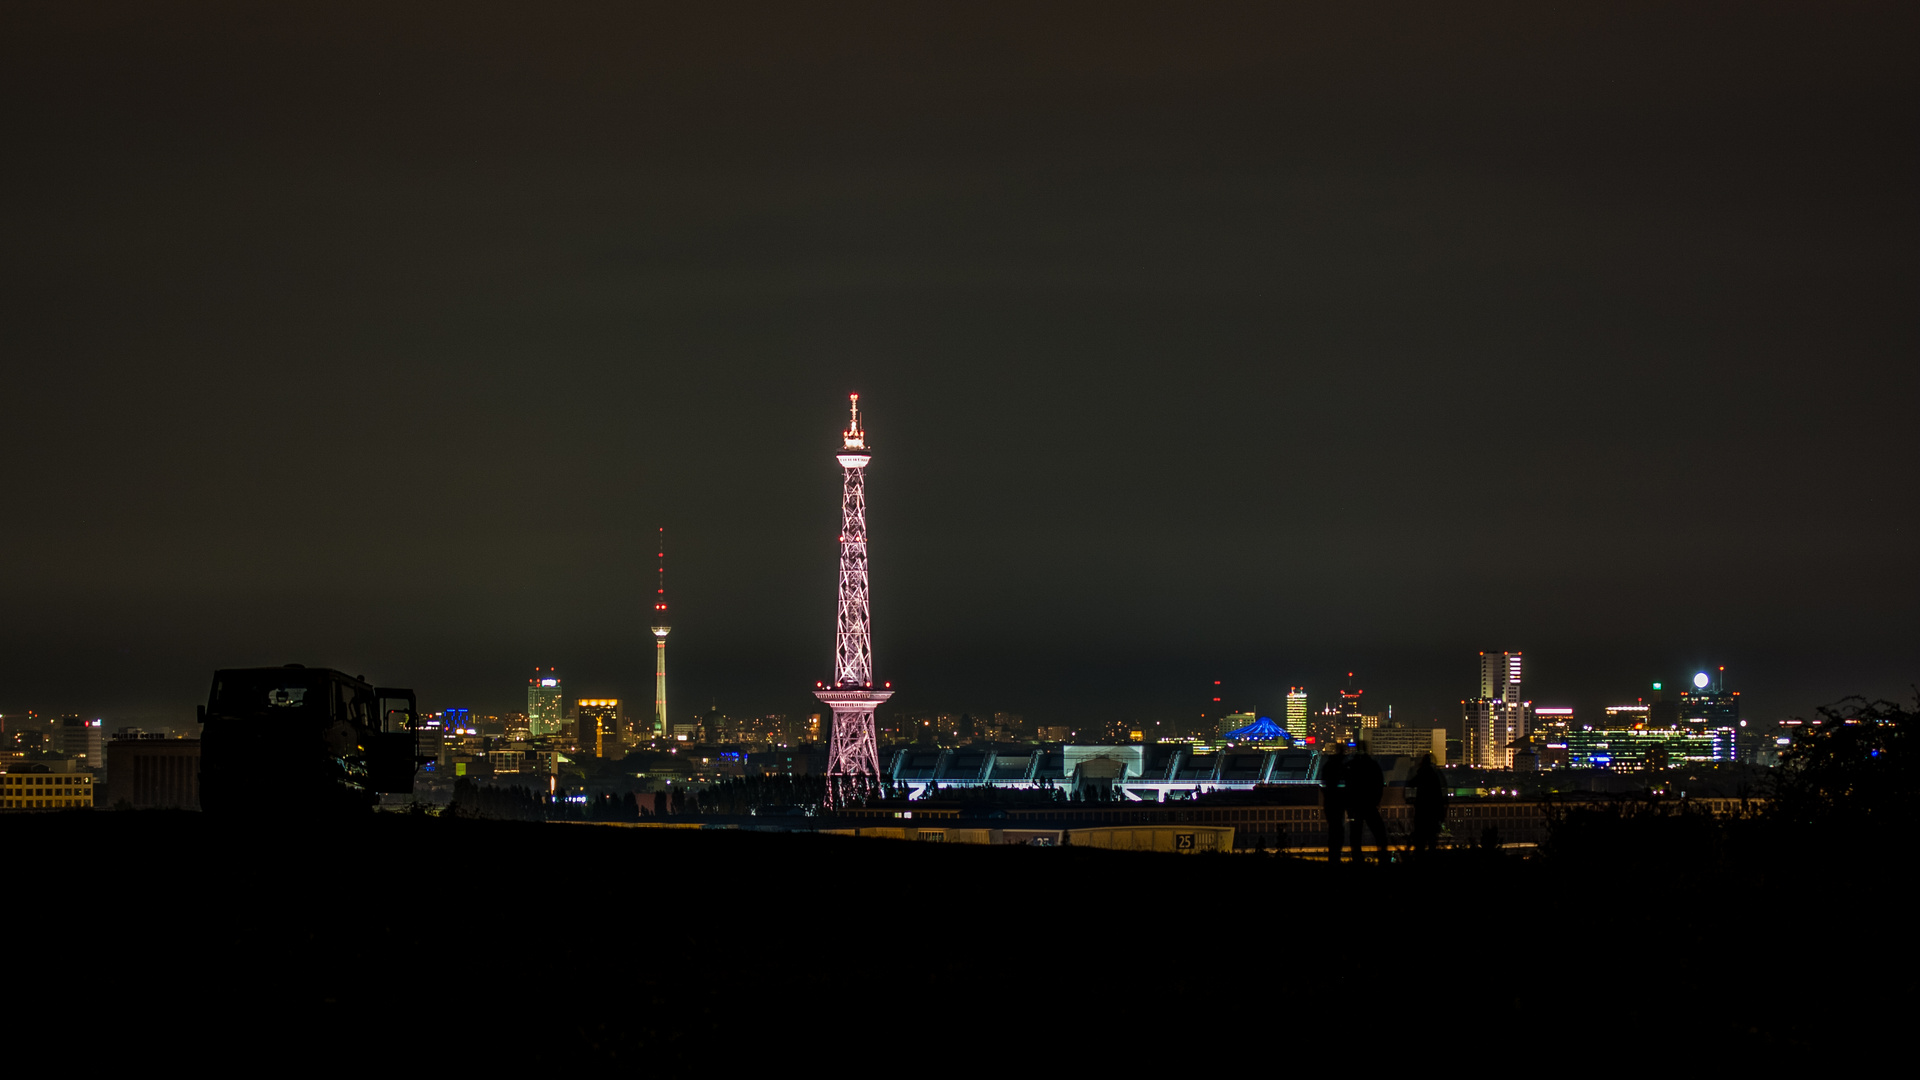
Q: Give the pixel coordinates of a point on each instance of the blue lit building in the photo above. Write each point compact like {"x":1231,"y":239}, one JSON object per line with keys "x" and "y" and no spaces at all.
{"x":1150,"y":772}
{"x":1260,"y":732}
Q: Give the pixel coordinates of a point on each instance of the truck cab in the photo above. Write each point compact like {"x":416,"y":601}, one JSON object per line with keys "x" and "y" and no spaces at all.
{"x":323,"y":739}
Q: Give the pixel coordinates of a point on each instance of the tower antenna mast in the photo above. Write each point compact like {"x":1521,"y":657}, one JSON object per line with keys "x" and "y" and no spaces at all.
{"x":661,"y":627}
{"x":853,"y":752}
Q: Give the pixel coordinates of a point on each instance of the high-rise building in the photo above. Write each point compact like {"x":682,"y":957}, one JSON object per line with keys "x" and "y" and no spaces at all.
{"x":546,"y":709}
{"x":1234,"y":722}
{"x":660,"y":629}
{"x":1497,"y":718}
{"x":1663,"y":711}
{"x":1350,"y":703}
{"x":1710,"y":706}
{"x":1297,"y":713}
{"x":83,"y":740}
{"x":599,"y":727}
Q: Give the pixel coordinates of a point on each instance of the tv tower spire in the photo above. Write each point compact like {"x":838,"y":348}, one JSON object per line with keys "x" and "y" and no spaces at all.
{"x":660,"y":630}
{"x":853,"y":752}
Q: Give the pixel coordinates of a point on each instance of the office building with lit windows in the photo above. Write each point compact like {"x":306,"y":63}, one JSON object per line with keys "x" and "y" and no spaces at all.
{"x":83,"y":740}
{"x":1552,"y":722}
{"x":1411,"y":741}
{"x":1636,"y":749}
{"x":1620,"y":717}
{"x":37,"y":790}
{"x":1496,"y":719}
{"x":1710,"y":705}
{"x":1351,"y":712}
{"x":1297,"y":713}
{"x":546,"y":709}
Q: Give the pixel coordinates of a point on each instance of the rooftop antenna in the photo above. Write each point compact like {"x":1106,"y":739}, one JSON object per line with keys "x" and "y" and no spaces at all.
{"x":854,"y":437}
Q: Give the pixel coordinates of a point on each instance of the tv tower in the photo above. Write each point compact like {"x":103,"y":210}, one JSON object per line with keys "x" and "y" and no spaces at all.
{"x":660,"y":630}
{"x":853,"y":752}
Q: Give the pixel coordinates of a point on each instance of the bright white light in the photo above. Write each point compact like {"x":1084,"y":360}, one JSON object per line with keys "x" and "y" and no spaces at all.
{"x":1701,"y":680}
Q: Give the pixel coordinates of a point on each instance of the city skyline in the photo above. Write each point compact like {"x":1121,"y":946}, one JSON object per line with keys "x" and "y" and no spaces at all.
{"x":1415,"y":458}
{"x":1299,"y":349}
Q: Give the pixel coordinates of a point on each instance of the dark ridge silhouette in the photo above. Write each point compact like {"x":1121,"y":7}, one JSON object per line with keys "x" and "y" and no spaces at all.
{"x":276,"y":932}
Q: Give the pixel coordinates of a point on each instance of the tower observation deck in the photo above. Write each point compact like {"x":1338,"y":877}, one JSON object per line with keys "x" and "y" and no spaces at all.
{"x":853,"y":753}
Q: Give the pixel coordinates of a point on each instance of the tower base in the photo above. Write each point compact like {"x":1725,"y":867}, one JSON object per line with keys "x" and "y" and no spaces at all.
{"x":853,"y":749}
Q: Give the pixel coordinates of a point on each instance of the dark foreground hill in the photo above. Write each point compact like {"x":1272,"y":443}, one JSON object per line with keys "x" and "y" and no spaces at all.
{"x":415,"y":941}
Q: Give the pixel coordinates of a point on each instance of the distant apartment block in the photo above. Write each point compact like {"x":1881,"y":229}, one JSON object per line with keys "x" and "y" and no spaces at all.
{"x":27,"y":791}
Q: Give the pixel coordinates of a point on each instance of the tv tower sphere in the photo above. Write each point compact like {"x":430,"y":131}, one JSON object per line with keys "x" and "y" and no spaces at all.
{"x":853,"y":751}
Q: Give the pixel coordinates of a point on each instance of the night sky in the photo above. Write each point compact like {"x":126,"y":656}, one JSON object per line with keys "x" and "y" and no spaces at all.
{"x":1255,"y":342}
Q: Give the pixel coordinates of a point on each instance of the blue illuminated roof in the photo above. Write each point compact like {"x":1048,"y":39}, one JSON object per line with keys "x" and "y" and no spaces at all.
{"x":1261,"y":730}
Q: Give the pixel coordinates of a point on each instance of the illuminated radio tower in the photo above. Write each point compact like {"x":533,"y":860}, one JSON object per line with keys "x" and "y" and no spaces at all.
{"x":853,"y":754}
{"x":660,"y":629}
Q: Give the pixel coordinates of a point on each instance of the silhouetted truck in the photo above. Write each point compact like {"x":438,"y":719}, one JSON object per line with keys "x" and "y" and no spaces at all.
{"x":296,"y":738}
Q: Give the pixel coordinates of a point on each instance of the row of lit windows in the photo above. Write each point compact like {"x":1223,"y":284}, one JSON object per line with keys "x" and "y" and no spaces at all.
{"x":66,"y":788}
{"x":23,"y":804}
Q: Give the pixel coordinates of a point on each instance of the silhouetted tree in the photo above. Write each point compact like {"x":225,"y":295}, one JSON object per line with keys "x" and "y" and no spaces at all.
{"x":1852,"y":768}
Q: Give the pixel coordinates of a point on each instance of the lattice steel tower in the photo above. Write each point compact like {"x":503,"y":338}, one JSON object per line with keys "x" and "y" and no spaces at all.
{"x":661,"y":729}
{"x":853,"y":753}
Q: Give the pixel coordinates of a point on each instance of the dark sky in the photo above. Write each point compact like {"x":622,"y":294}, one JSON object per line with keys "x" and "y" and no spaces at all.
{"x":1257,"y":342}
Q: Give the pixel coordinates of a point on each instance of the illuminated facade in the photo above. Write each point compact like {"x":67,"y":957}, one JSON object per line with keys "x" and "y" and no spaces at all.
{"x":1297,"y":713}
{"x":1228,"y":725}
{"x":661,"y":627}
{"x":21,"y":790}
{"x":546,"y":709}
{"x":1152,"y":772}
{"x":853,"y":752}
{"x":1547,"y":732}
{"x":1636,"y":749}
{"x":1498,"y":717}
{"x":1552,"y":722}
{"x":598,"y":727}
{"x":1412,"y":741}
{"x":1636,"y":715}
{"x":1260,"y":732}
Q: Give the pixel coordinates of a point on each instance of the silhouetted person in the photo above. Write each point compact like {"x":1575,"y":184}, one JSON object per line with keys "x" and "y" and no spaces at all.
{"x":1429,"y":805}
{"x":1365,"y":785}
{"x":1333,"y":798}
